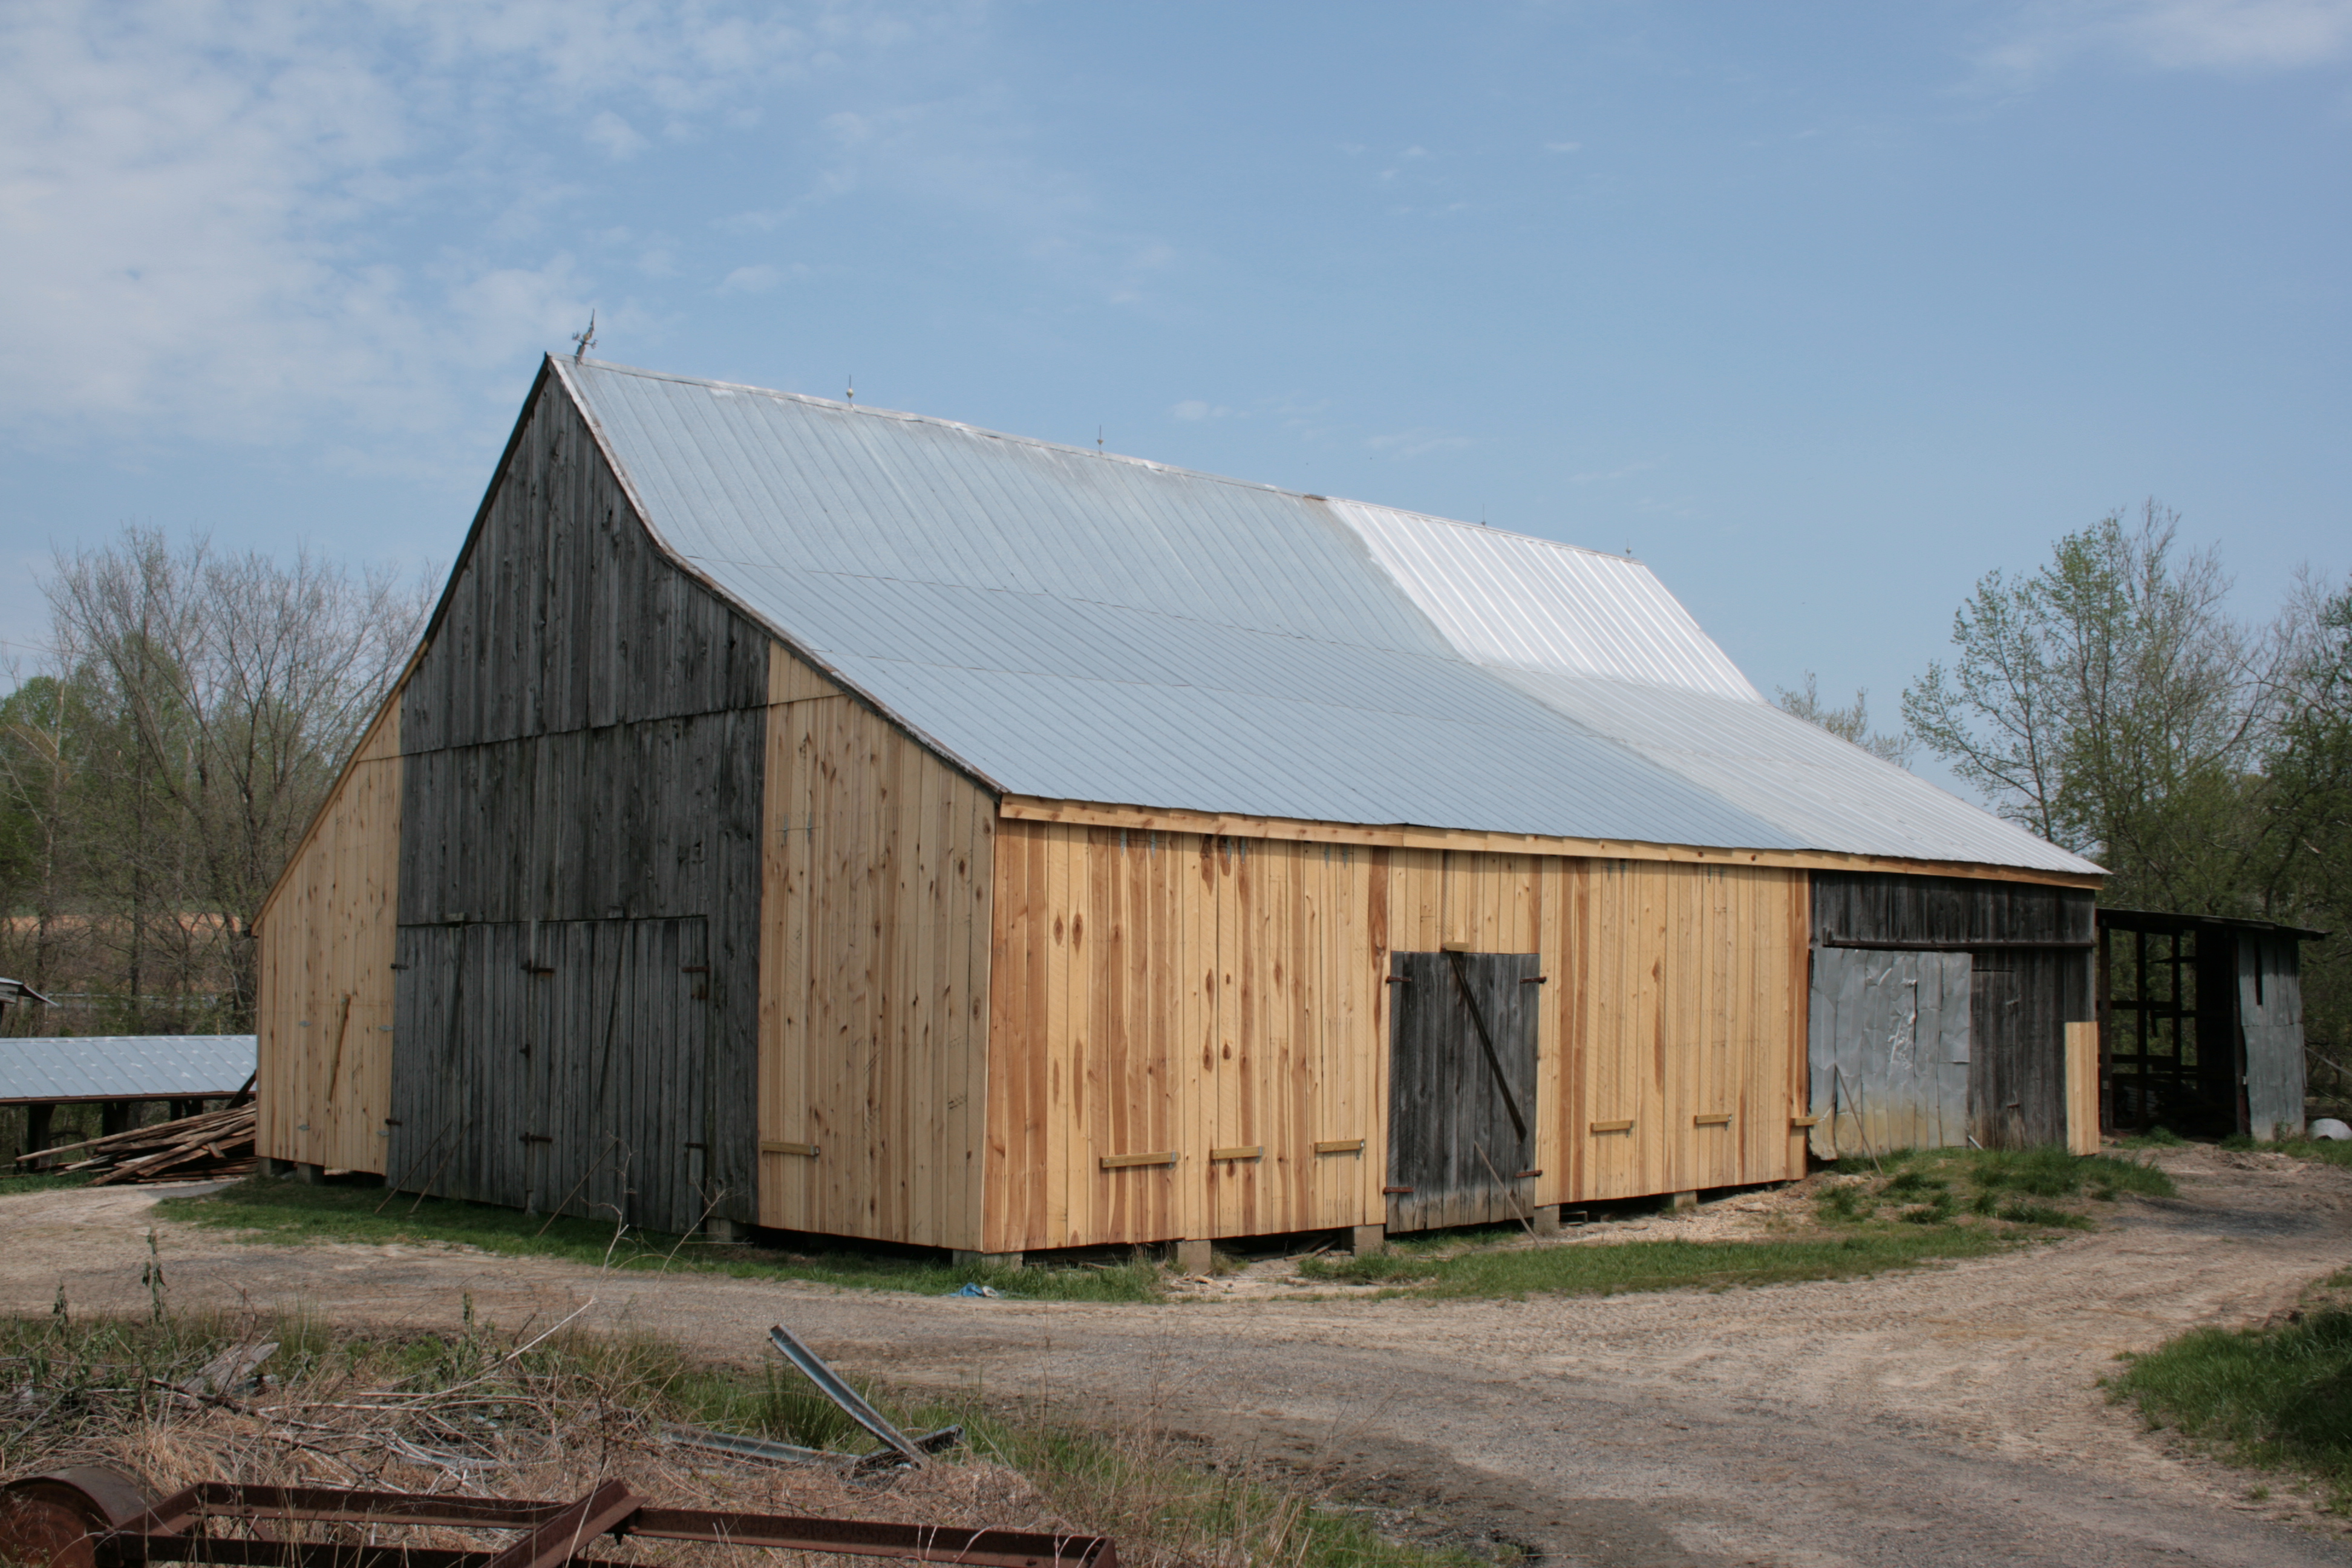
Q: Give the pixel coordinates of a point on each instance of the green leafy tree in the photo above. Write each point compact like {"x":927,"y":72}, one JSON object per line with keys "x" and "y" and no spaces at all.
{"x":2307,"y":800}
{"x":2109,"y":703}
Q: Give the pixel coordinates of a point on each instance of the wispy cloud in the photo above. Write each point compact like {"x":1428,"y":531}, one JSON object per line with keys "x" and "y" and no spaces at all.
{"x":1416,"y":443}
{"x":2237,"y":35}
{"x":615,"y":135}
{"x":1602,"y":477}
{"x":970,"y":154}
{"x":757,"y":279}
{"x":1193,"y":408}
{"x":204,"y":203}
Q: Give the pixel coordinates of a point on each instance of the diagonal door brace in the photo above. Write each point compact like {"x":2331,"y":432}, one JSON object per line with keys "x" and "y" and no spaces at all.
{"x":1486,"y":1044}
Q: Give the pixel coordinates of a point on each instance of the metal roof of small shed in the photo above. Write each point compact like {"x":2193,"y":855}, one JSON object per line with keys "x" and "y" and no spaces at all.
{"x":64,"y":1067}
{"x":1074,"y":624}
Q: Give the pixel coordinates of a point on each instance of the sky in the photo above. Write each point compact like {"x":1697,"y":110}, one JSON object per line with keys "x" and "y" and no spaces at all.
{"x":1823,"y":312}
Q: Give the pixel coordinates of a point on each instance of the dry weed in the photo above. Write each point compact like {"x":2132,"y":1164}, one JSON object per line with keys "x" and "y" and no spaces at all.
{"x":549,"y":1415}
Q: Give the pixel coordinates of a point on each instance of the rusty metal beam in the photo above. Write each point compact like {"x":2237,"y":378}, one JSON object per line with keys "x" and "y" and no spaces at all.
{"x":872,"y":1538}
{"x":92,"y":1518}
{"x":553,"y":1542}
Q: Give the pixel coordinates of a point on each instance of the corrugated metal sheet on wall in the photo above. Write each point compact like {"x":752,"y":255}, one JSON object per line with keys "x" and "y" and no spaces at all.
{"x":1073,"y":625}
{"x":1887,"y":1050}
{"x":2270,"y":1011}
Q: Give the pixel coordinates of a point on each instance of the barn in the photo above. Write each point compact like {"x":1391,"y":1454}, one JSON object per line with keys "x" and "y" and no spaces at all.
{"x":839,"y":821}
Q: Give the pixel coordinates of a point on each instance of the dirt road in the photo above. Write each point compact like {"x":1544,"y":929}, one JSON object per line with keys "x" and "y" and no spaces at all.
{"x":1939,"y":1416}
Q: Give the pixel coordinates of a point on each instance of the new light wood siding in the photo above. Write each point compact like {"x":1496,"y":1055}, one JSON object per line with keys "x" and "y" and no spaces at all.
{"x":1160,"y":992}
{"x":324,"y":1021}
{"x":1691,"y":1002}
{"x":874,"y":959}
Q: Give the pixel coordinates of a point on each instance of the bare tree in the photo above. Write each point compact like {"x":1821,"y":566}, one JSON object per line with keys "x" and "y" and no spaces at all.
{"x":1851,"y":724}
{"x":38,"y":867}
{"x":222,"y":695}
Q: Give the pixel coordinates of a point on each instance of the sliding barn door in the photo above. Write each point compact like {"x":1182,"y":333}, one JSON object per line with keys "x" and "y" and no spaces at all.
{"x":556,"y":1065}
{"x":1461,"y":1088}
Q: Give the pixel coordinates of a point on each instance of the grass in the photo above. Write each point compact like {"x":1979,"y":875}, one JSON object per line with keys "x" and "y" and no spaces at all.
{"x":1602,"y":1271}
{"x":2328,"y":1151}
{"x":267,"y":1210}
{"x":547,"y":1418}
{"x":2275,"y":1397}
{"x":41,"y":1181}
{"x":1907,"y":1208}
{"x":2154,"y":1138}
{"x":1903,"y":1210}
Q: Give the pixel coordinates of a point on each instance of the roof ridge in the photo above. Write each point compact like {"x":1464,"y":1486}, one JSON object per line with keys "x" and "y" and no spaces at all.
{"x":1153,"y":464}
{"x":1486,"y":528}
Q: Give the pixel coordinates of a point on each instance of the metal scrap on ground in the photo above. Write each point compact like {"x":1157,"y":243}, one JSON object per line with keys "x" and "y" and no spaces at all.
{"x":90,"y":1517}
{"x":767,"y":1448}
{"x":853,"y":1404}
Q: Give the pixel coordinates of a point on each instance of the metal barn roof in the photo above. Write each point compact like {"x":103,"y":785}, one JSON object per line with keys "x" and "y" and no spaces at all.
{"x":1074,"y":625}
{"x":61,"y":1067}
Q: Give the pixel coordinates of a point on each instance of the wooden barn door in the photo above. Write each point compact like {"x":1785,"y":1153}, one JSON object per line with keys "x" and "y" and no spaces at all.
{"x":556,"y":1065}
{"x":621,"y":1079}
{"x":1461,"y":1088}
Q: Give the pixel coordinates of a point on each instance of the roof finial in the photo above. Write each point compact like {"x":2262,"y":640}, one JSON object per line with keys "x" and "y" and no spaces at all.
{"x":1097,"y":437}
{"x":852,"y":393}
{"x":586,"y":340}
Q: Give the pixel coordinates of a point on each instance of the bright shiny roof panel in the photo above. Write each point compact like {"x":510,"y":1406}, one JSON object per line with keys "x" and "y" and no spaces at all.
{"x":1507,"y":600}
{"x":1074,"y":624}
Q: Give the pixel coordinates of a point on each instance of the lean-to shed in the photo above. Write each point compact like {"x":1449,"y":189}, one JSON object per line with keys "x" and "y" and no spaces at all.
{"x":2203,"y":1019}
{"x":850,"y":822}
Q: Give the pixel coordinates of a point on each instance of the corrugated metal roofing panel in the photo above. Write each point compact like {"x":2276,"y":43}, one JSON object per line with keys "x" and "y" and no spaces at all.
{"x":63,"y":1067}
{"x":1822,"y":792}
{"x":1514,"y":602}
{"x":1074,"y":624}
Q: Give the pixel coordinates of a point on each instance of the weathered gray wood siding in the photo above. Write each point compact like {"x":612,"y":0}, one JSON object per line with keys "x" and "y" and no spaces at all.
{"x":2031,"y":975}
{"x":1462,"y":1110}
{"x":583,"y":740}
{"x":2270,"y":1011}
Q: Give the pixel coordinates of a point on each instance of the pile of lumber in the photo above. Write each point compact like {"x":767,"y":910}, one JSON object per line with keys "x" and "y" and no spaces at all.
{"x":193,"y":1149}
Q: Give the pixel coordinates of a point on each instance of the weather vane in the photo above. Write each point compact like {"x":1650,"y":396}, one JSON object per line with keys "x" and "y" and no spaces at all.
{"x":586,"y":340}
